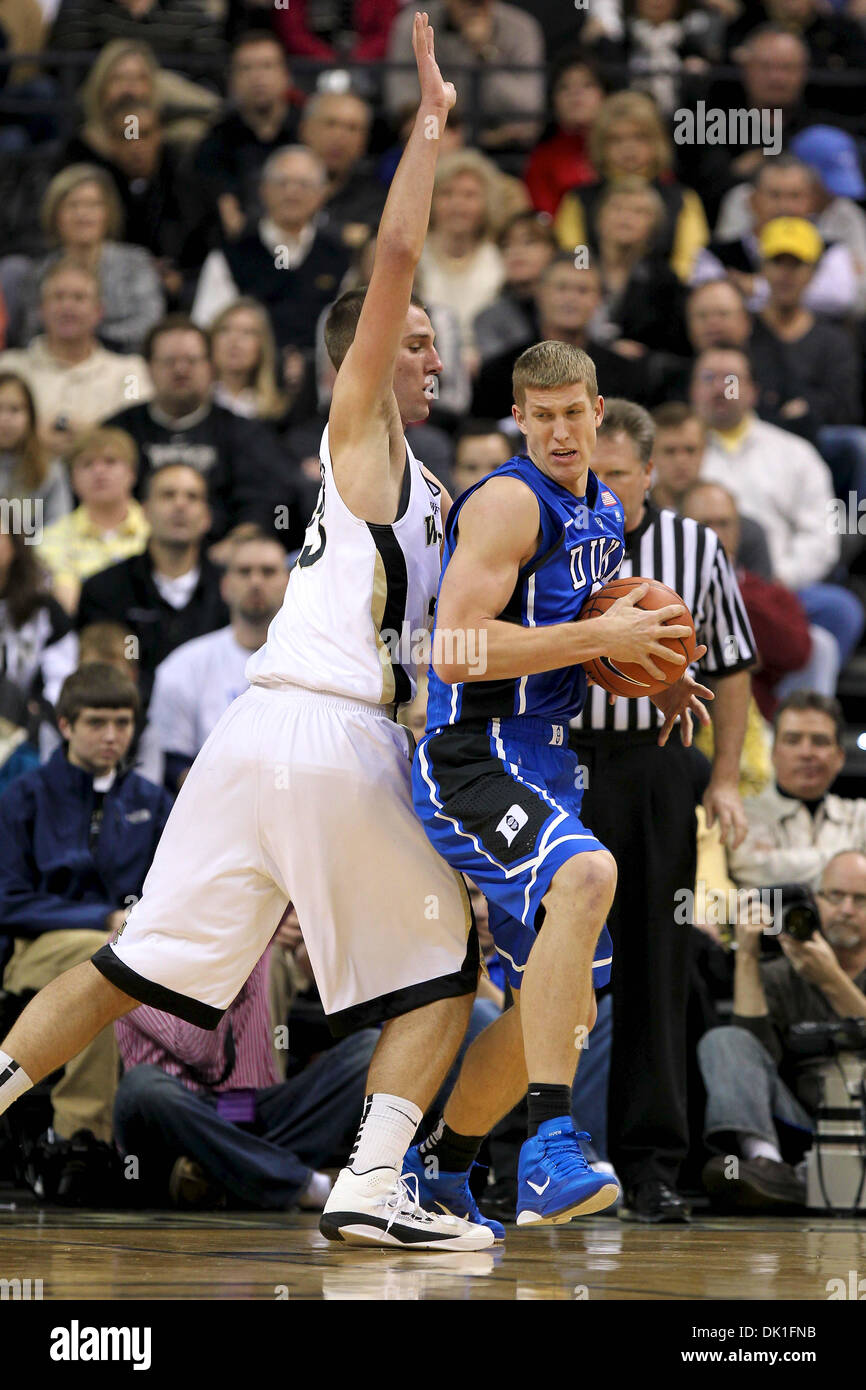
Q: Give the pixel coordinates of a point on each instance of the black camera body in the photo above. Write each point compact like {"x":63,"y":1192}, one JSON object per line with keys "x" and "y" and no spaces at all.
{"x":798,"y":915}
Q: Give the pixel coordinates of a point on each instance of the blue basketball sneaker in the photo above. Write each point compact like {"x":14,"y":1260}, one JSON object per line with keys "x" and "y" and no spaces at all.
{"x":554,"y":1180}
{"x":448,"y":1192}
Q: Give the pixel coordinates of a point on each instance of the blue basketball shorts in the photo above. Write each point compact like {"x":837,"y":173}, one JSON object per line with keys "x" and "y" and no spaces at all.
{"x":501,"y":803}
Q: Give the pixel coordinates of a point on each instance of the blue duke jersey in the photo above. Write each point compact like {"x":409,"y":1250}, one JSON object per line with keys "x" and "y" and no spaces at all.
{"x":494,"y":782}
{"x":581,"y":548}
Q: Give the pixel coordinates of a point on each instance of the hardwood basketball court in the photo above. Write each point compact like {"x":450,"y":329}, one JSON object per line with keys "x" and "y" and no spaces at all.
{"x":94,"y":1256}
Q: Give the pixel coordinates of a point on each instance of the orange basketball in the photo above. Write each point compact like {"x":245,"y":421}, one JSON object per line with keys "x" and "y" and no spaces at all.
{"x":627,"y":678}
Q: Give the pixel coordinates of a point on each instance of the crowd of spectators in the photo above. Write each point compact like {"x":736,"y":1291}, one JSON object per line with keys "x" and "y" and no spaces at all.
{"x":171,"y":238}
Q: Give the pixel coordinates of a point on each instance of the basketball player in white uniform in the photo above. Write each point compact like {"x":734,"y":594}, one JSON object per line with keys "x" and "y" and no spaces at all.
{"x":302,"y":791}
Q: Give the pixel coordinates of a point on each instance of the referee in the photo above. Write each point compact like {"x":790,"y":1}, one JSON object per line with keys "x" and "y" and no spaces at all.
{"x":640,"y":801}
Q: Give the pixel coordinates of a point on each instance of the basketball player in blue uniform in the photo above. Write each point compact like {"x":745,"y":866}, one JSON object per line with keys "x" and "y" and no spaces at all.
{"x":497,"y":788}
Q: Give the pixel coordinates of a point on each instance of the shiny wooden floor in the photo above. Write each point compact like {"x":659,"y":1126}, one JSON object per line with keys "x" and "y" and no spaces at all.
{"x":118,"y":1256}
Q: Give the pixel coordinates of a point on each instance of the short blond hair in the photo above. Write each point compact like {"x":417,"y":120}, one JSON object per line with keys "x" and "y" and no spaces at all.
{"x":66,"y":182}
{"x":545,"y":366}
{"x":92,"y":442}
{"x":635,"y":186}
{"x":640,"y":109}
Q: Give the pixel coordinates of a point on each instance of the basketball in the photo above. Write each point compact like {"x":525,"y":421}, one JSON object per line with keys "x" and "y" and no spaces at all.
{"x":627,"y":678}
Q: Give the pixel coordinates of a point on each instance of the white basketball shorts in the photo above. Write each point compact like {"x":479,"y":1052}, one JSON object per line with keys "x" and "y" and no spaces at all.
{"x":298,"y":796}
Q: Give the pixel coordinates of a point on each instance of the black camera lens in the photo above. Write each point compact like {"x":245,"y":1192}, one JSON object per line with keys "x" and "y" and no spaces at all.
{"x":799,"y":923}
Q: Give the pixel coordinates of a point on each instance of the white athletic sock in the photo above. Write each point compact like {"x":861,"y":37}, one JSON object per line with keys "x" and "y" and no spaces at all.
{"x":387,"y":1128}
{"x":753,"y":1147}
{"x":14,"y":1081}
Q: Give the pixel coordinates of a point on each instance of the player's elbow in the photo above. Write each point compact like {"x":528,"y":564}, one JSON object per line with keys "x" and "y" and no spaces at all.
{"x":450,"y":672}
{"x":396,"y":253}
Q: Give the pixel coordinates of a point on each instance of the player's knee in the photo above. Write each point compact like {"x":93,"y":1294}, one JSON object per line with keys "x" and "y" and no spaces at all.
{"x":587,"y":880}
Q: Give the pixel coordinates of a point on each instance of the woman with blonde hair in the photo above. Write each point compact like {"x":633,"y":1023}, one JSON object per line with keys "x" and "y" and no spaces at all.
{"x":129,"y":67}
{"x":82,"y":218}
{"x":643,"y":300}
{"x":245,"y":361}
{"x":628,"y":138}
{"x":461,"y":265}
{"x":26,"y":469}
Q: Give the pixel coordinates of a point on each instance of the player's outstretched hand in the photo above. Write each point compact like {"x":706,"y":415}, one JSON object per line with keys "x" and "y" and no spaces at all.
{"x":682,"y":700}
{"x":436,"y":93}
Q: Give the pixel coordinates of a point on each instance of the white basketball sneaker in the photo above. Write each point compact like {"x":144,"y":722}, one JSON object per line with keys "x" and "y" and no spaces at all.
{"x":381,"y":1208}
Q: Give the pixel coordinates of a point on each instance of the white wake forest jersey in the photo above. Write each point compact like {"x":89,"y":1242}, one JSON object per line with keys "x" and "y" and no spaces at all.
{"x":360,"y":598}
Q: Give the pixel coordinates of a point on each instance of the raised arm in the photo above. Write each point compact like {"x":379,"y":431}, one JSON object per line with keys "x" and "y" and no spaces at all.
{"x":363,"y":388}
{"x":498,"y":535}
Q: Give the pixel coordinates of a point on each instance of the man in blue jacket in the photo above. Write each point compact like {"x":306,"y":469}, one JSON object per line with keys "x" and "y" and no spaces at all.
{"x":77,"y":837}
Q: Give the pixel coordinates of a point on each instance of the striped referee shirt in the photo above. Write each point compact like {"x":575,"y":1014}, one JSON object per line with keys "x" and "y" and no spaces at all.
{"x":689,"y":558}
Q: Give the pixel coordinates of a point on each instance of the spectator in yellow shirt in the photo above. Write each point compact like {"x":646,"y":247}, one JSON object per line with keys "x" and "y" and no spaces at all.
{"x":108,"y":526}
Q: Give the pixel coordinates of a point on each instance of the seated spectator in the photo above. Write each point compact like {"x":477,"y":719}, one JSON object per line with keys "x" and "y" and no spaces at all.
{"x":773,"y":70}
{"x":247,"y":473}
{"x":77,"y":837}
{"x":38,"y":649}
{"x":782,"y":482}
{"x":171,"y":592}
{"x":285,"y":261}
{"x":336,"y":127}
{"x":808,"y":370}
{"x":678,"y":455}
{"x":832,"y":39}
{"x":662,"y":39}
{"x":629,"y":138}
{"x":178,"y":27}
{"x":527,"y":245}
{"x":796,"y":824}
{"x":128,"y":68}
{"x":107,"y":526}
{"x":567,"y":300}
{"x":260,"y":120}
{"x":480,"y":447}
{"x":470,"y":34}
{"x":75,"y":381}
{"x":777,"y":617}
{"x":160,"y":211}
{"x":353,"y":33}
{"x":561,"y":162}
{"x":461,"y":266}
{"x":716,"y":316}
{"x":26,"y":467}
{"x":244,"y":357}
{"x":82,"y":217}
{"x":196,"y":684}
{"x":761,"y":1097}
{"x":780,"y":187}
{"x":642,"y":298}
{"x":837,"y":180}
{"x":210,"y":1121}
{"x":109,"y":645}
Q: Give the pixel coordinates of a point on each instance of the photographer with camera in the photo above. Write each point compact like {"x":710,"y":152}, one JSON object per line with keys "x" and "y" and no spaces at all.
{"x":762,"y":1092}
